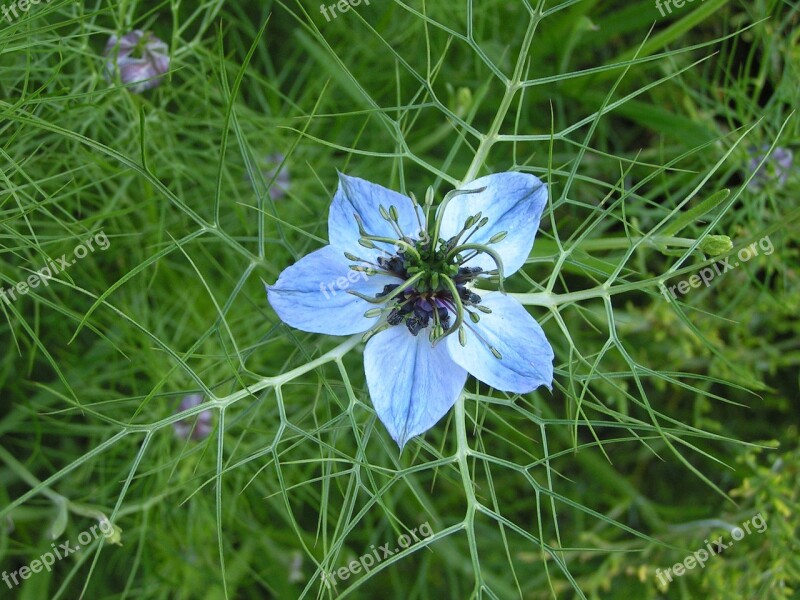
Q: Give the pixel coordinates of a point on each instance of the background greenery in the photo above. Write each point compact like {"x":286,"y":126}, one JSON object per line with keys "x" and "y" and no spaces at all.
{"x":669,"y":421}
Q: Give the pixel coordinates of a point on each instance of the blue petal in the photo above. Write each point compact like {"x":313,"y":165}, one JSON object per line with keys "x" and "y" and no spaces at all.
{"x":513,"y":202}
{"x":527,"y":358}
{"x":312,"y":294}
{"x":357,"y":196}
{"x":412,"y":384}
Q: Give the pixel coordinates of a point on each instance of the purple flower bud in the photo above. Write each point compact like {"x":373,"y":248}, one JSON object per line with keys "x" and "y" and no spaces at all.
{"x":202,"y":426}
{"x":140,"y":59}
{"x":776,"y":168}
{"x":280,"y":187}
{"x":282,"y":182}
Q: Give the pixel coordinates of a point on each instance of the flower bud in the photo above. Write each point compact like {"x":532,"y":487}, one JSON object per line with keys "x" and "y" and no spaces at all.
{"x":139,"y":58}
{"x":714,"y":245}
{"x":203,"y":425}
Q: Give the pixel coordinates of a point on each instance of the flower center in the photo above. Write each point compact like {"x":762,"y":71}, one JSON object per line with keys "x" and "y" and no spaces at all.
{"x":431,"y":300}
{"x":435,"y":292}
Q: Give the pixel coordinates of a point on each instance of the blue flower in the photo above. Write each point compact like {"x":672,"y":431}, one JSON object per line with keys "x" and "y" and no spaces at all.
{"x":408,"y":280}
{"x":277,"y":174}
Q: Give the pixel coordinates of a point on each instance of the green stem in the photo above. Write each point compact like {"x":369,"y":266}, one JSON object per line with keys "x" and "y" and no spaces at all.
{"x":512,"y":87}
{"x":619,"y":243}
{"x":61,"y":501}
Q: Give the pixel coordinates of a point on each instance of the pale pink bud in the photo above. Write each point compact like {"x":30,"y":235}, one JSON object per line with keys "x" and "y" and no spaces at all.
{"x":199,"y":427}
{"x":140,"y":59}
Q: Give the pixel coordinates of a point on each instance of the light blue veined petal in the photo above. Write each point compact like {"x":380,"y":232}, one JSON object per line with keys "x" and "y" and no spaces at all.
{"x":312,"y":294}
{"x":513,"y":202}
{"x":527,"y":357}
{"x":411,"y":383}
{"x":358,"y":196}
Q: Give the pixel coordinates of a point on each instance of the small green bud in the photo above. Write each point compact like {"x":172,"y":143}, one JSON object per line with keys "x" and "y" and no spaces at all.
{"x":498,"y":237}
{"x":112,"y":533}
{"x":714,"y":245}
{"x":463,"y":101}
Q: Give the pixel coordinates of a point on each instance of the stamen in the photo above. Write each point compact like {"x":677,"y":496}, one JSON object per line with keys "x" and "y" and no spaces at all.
{"x":367,"y":239}
{"x":400,"y":242}
{"x":468,"y":224}
{"x":373,"y":332}
{"x":459,"y":309}
{"x":391,"y":216}
{"x":481,"y":224}
{"x":486,"y":250}
{"x":391,"y":295}
{"x":421,"y":230}
{"x":428,"y":204}
{"x":495,"y":352}
{"x":498,"y":237}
